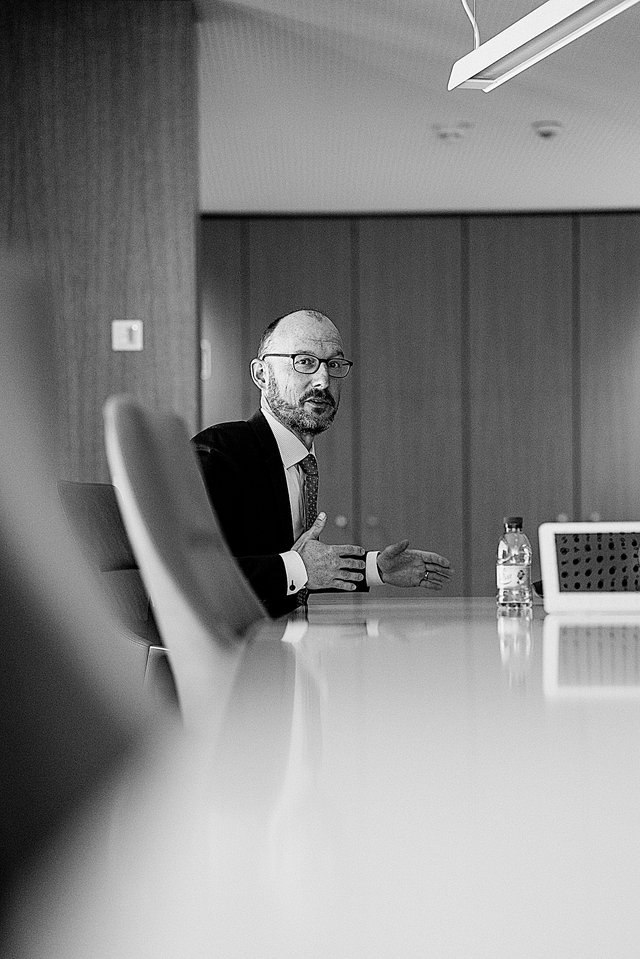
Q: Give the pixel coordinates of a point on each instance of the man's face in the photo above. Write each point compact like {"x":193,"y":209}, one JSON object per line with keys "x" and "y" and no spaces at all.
{"x":304,"y":402}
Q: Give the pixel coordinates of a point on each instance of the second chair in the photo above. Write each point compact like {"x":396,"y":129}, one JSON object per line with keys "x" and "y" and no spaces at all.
{"x":202,"y":602}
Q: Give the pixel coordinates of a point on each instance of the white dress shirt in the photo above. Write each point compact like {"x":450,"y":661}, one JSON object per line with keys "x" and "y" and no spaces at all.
{"x":292,"y":451}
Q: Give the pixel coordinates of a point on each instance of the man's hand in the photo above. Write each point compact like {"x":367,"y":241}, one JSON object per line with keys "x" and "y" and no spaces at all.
{"x":329,"y":567}
{"x":401,"y":566}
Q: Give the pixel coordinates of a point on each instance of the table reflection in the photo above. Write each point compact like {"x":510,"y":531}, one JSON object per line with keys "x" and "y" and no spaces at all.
{"x":515,"y":629}
{"x":593,"y":657}
{"x":304,"y":834}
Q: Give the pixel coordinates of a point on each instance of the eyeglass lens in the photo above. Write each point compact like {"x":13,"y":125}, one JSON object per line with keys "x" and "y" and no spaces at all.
{"x":307,"y":363}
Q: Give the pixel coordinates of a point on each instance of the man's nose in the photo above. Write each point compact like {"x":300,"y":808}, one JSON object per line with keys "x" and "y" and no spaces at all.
{"x":321,"y":375}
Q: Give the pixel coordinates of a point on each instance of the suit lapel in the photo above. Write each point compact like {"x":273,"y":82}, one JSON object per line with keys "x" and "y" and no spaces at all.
{"x":273,"y":479}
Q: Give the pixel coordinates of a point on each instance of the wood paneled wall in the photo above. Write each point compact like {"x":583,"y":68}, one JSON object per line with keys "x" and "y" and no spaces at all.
{"x":497,"y":363}
{"x":410,"y":383}
{"x":98,"y":179}
{"x":520,"y":382}
{"x":609,"y":353}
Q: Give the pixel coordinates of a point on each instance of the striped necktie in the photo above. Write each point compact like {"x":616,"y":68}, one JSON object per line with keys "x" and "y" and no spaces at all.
{"x":309,"y":467}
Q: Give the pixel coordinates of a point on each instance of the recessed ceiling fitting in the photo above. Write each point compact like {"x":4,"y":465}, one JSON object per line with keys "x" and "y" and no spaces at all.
{"x":543,"y":31}
{"x":547,"y":129}
{"x":452,"y":131}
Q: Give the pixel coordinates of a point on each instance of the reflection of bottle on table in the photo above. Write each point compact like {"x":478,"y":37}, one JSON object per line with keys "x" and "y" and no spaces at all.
{"x":514,"y":633}
{"x":513,"y":565}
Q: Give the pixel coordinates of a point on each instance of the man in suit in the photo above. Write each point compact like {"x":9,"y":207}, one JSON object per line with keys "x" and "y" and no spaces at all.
{"x":257,"y":487}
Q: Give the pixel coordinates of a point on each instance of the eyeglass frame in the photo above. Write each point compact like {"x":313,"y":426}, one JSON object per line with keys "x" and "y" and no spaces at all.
{"x":292,"y":357}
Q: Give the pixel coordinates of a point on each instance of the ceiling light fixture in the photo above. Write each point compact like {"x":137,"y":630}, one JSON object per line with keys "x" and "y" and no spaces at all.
{"x":543,"y":31}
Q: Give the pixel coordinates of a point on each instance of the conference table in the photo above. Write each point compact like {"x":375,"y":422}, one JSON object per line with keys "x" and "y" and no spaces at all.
{"x":447,"y":782}
{"x":400,"y":778}
{"x":424,"y":778}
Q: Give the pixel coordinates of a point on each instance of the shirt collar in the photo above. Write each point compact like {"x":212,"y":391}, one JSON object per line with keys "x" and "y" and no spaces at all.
{"x":292,"y":449}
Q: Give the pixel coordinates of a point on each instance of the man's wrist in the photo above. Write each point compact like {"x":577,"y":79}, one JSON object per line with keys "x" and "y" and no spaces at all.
{"x":295,"y":570}
{"x":372,"y":572}
{"x":297,"y":576}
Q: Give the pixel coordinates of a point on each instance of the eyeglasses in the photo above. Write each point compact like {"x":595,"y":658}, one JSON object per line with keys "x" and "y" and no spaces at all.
{"x":308,"y":363}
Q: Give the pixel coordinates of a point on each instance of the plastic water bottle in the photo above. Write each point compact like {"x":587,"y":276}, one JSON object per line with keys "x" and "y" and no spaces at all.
{"x":513,"y":567}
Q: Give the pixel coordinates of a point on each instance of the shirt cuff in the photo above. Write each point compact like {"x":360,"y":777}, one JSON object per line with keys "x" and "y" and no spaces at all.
{"x":295,"y":630}
{"x":371,"y":570}
{"x":296,"y":571}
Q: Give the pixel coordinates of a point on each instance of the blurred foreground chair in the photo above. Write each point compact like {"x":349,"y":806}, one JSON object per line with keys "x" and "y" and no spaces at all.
{"x":201,"y":599}
{"x":105,"y":802}
{"x":70,"y":713}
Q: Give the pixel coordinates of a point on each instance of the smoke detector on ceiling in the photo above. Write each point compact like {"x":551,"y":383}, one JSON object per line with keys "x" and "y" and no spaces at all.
{"x":547,"y":129}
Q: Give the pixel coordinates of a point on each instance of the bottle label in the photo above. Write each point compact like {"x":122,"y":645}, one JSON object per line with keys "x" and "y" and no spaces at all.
{"x":513,"y":577}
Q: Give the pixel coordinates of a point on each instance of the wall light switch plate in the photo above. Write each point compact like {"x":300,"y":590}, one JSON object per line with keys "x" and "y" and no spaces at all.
{"x":126,"y":334}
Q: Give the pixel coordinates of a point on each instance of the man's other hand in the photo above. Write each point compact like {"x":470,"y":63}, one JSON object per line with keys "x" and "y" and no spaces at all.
{"x":329,"y":567}
{"x":401,"y":566}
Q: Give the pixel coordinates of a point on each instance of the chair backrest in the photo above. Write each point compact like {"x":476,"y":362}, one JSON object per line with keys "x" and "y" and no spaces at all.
{"x":202,"y":601}
{"x":94,"y":517}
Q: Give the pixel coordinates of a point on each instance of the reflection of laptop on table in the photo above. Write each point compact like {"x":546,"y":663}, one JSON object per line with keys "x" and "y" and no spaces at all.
{"x":593,"y":657}
{"x":590,"y":567}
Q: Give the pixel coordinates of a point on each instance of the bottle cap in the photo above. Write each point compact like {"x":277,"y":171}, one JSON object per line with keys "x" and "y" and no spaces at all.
{"x":513,"y":521}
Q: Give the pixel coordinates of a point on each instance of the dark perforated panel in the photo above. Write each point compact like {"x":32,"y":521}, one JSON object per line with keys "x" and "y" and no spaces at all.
{"x":599,"y":562}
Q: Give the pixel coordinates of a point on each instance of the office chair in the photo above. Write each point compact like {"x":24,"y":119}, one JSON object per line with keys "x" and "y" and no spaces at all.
{"x":202,"y":602}
{"x":94,"y":518}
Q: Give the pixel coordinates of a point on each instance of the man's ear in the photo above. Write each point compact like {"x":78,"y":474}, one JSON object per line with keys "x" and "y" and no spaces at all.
{"x":259,"y":374}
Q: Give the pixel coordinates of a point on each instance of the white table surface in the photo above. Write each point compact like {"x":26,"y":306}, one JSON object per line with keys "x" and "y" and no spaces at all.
{"x":408,"y":778}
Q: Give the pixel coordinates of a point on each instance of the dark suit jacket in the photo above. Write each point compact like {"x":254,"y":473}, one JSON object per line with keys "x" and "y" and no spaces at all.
{"x":247,"y":487}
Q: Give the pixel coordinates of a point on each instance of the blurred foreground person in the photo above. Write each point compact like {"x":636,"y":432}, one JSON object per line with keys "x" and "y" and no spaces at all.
{"x":90,"y":778}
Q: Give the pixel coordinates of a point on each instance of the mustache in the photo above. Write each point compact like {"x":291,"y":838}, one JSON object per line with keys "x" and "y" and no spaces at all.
{"x":317,"y":394}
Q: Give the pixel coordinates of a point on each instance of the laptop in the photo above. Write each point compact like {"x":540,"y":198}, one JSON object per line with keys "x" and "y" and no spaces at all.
{"x":590,"y":567}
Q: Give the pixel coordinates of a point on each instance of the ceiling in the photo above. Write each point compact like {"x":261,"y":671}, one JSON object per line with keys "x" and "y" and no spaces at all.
{"x":332,"y":106}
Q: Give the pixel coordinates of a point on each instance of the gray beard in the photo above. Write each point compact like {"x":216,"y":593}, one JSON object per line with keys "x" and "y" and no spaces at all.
{"x":296,"y":418}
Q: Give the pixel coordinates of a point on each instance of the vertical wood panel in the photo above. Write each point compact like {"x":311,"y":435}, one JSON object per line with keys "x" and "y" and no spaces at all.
{"x":521,"y":382}
{"x":610,"y":365}
{"x":100,"y":173}
{"x":306,"y":262}
{"x":223,"y":288}
{"x":410,"y":359}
